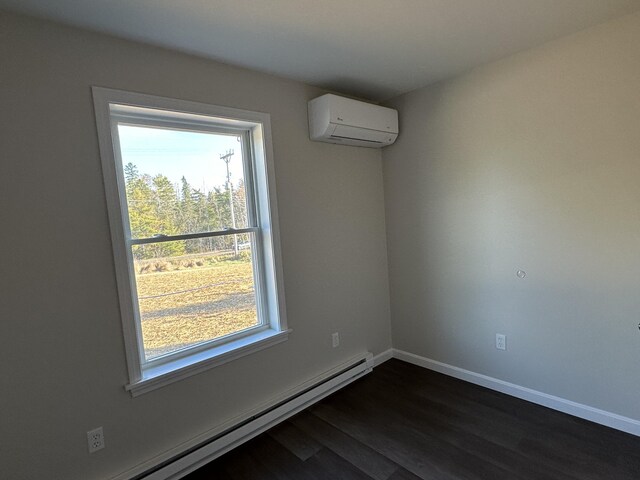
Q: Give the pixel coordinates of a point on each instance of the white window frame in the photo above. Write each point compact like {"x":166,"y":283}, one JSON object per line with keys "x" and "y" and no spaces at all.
{"x":112,"y":106}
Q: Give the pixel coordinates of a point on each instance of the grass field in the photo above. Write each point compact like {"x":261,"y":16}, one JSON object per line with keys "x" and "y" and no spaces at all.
{"x":183,"y":306}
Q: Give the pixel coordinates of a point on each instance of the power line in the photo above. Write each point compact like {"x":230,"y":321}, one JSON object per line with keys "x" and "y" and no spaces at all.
{"x":227,"y":158}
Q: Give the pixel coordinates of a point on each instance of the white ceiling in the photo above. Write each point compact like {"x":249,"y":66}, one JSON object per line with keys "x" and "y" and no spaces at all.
{"x":373,"y":49}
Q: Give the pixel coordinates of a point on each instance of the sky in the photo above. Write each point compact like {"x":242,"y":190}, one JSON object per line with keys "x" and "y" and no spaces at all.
{"x":176,"y":153}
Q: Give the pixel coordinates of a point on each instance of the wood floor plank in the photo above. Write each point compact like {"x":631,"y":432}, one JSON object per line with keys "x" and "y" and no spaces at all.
{"x":279,"y":462}
{"x":295,"y":440}
{"x":363,"y":457}
{"x":335,"y":467}
{"x":402,"y":474}
{"x":235,"y":465}
{"x":258,"y":459}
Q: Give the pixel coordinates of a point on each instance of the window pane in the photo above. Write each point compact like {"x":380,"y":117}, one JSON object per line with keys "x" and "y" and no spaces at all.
{"x":194,"y":291}
{"x":180,"y":182}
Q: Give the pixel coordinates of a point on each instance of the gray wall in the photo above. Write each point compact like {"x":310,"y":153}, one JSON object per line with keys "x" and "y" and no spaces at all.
{"x":62,"y":362}
{"x":529,"y":163}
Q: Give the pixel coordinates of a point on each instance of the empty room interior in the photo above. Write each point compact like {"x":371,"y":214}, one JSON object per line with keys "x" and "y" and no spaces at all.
{"x":320,"y":240}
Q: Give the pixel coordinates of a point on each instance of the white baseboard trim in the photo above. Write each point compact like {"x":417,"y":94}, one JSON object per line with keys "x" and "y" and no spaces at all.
{"x":613,"y":420}
{"x":382,"y":357}
{"x":177,"y":464}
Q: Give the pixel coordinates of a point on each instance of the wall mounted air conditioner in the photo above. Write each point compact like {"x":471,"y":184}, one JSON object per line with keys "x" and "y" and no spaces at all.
{"x":344,"y":121}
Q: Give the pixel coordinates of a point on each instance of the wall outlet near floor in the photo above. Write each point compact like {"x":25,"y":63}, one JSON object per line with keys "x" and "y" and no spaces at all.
{"x":501,"y":341}
{"x":95,"y":439}
{"x":335,"y":339}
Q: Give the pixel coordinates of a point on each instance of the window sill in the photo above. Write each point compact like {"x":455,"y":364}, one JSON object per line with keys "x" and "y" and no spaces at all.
{"x":170,"y":372}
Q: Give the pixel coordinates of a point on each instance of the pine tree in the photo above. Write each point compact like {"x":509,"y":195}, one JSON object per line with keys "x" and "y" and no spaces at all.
{"x":130,"y":172}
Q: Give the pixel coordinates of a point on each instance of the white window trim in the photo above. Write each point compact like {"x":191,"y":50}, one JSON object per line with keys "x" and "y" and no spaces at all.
{"x":259,"y":131}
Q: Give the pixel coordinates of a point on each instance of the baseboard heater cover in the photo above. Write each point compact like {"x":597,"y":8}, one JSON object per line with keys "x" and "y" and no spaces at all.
{"x":197,"y":456}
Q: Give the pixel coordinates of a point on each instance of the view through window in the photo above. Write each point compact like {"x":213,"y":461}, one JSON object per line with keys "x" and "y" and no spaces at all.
{"x":182,"y":184}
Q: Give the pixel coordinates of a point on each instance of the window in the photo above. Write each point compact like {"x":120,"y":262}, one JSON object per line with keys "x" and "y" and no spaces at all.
{"x":194,"y":230}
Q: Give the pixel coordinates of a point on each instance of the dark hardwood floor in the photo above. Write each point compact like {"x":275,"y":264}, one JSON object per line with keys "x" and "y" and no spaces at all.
{"x":403,"y":422}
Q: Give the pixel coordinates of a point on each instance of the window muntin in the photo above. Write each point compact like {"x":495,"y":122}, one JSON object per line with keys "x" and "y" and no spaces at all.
{"x":251,"y":247}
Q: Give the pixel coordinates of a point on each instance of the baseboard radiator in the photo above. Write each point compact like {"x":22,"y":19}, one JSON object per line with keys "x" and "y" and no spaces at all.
{"x":188,"y":461}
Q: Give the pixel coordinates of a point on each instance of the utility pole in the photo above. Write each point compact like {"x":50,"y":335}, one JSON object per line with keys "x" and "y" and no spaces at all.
{"x":227,"y":158}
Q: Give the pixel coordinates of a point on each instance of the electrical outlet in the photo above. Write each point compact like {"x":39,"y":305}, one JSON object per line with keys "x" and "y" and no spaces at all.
{"x":501,"y":341}
{"x":335,"y":339}
{"x":95,"y":439}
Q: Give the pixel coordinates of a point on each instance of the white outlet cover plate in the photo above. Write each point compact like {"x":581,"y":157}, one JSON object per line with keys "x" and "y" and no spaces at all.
{"x":95,"y":439}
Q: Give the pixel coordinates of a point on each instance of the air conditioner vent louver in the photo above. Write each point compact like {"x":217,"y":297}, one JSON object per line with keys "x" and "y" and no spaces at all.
{"x":357,"y":139}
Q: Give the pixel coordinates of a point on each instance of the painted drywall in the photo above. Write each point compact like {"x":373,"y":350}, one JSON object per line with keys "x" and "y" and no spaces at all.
{"x":531,"y":163}
{"x":62,"y":365}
